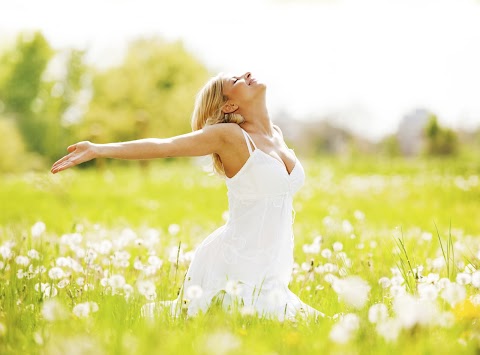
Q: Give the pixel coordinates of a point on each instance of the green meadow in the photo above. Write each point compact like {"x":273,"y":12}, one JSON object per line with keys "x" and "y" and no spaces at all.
{"x":78,"y":251}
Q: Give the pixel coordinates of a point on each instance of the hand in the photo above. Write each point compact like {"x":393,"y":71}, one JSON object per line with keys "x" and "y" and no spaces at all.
{"x":79,"y":153}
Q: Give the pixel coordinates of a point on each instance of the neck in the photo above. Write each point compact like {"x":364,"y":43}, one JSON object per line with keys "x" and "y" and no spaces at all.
{"x":257,"y":120}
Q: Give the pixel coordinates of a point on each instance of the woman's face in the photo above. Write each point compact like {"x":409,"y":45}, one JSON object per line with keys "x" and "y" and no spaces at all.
{"x":242,"y":89}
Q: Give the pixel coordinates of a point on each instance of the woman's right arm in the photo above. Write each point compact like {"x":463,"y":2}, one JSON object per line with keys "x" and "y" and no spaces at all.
{"x":210,"y":139}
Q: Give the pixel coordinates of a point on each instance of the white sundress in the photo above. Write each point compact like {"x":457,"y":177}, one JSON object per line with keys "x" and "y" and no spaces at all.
{"x":253,"y":251}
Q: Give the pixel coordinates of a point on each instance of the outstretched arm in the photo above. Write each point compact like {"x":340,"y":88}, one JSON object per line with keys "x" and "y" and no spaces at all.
{"x":206,"y":141}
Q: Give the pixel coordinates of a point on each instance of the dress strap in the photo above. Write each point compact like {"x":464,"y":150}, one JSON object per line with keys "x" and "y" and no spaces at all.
{"x":249,"y":141}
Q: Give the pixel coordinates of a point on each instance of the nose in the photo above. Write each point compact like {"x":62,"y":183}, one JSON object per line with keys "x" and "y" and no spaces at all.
{"x":247,"y":75}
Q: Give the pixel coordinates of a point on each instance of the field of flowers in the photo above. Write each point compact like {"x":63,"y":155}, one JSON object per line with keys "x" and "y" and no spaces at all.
{"x":389,"y":250}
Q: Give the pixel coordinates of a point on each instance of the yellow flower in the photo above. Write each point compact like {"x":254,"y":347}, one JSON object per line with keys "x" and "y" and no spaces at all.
{"x":466,"y":310}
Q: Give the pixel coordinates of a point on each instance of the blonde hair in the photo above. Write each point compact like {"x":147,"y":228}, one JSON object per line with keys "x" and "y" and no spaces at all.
{"x":208,"y":111}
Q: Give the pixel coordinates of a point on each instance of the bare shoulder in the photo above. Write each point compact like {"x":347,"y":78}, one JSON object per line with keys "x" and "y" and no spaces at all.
{"x":278,"y":130}
{"x":222,"y":130}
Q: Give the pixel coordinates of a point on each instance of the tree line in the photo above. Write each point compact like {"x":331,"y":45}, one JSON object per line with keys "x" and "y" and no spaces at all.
{"x":50,"y":98}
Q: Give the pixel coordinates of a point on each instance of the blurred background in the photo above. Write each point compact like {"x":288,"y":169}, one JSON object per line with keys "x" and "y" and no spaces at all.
{"x":352,"y":77}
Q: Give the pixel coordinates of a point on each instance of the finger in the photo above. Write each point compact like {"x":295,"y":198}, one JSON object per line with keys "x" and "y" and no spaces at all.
{"x":66,"y":157}
{"x":62,"y":166}
{"x":72,"y":147}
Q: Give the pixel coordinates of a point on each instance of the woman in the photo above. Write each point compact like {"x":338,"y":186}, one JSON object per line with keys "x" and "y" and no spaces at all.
{"x":252,"y":254}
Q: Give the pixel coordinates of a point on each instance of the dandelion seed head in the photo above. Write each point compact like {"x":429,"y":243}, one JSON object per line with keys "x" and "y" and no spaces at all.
{"x":326,"y":253}
{"x":463,"y":278}
{"x":233,"y":287}
{"x":33,"y":254}
{"x":337,"y":246}
{"x":347,"y":227}
{"x":384,"y":282}
{"x":63,"y":283}
{"x":353,"y":290}
{"x":359,"y":215}
{"x":345,"y":329}
{"x":173,"y":229}
{"x":428,"y":292}
{"x":53,"y":310}
{"x":377,"y":313}
{"x":56,"y":273}
{"x":397,"y":290}
{"x":38,"y":229}
{"x":116,"y":281}
{"x":453,"y":293}
{"x":6,"y":252}
{"x":476,"y":279}
{"x":50,"y":291}
{"x":389,"y":329}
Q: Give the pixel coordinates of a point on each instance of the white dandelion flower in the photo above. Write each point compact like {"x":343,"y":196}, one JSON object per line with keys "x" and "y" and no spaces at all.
{"x":397,"y":280}
{"x":80,"y":281}
{"x":432,"y":278}
{"x":155,"y":261}
{"x":326,"y":253}
{"x":116,"y":281}
{"x":63,"y":283}
{"x":32,"y":253}
{"x":56,"y":273}
{"x":233,"y":288}
{"x":53,"y":310}
{"x":330,"y":278}
{"x":476,"y":279}
{"x":6,"y":251}
{"x":384,"y":282}
{"x":128,"y":290}
{"x":147,"y":289}
{"x":22,"y":260}
{"x":38,"y":229}
{"x":50,"y":291}
{"x":359,"y":215}
{"x":470,"y":269}
{"x":397,"y":290}
{"x":377,"y":313}
{"x":345,"y":329}
{"x":347,"y":226}
{"x":454,"y":293}
{"x":330,"y":268}
{"x":81,"y":310}
{"x":337,"y":246}
{"x":389,"y":329}
{"x":463,"y":278}
{"x":427,"y":292}
{"x":443,"y":283}
{"x":411,"y":311}
{"x":352,"y":290}
{"x":173,"y":229}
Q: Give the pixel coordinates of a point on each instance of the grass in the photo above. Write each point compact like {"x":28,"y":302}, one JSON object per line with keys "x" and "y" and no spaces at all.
{"x":384,"y":212}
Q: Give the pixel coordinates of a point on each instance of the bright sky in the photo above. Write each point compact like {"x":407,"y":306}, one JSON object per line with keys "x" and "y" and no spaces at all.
{"x":368,"y":62}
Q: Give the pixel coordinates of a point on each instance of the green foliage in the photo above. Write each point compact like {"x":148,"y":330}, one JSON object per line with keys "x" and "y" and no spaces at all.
{"x":13,"y":151}
{"x":57,"y":99}
{"x":150,"y":94}
{"x":439,"y":140}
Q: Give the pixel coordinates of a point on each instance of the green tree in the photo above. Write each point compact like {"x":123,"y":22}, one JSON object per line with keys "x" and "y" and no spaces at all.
{"x":439,"y":140}
{"x":150,"y":94}
{"x":20,"y":81}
